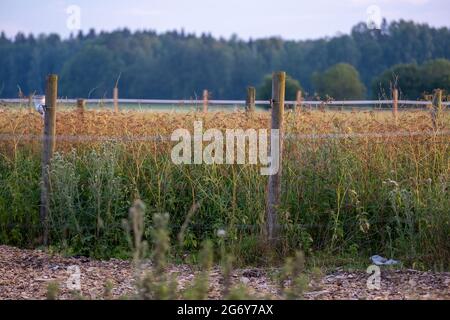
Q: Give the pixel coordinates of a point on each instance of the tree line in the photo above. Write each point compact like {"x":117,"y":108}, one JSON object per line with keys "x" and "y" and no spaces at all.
{"x":179,"y":65}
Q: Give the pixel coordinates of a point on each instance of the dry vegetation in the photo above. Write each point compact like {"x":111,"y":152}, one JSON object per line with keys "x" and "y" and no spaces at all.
{"x":24,"y":128}
{"x":350,"y":197}
{"x":138,"y":124}
{"x":345,"y":198}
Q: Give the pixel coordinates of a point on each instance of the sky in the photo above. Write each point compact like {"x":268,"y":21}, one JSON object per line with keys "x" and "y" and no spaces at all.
{"x":289,"y":19}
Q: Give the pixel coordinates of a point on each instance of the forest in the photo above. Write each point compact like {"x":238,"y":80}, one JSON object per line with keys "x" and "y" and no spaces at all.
{"x":179,"y":65}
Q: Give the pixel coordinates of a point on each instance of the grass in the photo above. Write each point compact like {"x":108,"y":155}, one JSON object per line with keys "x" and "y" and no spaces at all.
{"x":344,"y":199}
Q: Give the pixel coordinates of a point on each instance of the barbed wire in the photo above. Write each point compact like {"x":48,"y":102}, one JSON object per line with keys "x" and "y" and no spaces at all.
{"x":166,"y":138}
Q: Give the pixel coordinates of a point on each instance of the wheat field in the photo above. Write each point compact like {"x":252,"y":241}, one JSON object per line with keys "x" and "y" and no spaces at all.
{"x":354,"y":183}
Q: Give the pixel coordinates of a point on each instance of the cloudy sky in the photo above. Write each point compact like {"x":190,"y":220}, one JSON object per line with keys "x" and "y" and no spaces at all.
{"x":290,"y":19}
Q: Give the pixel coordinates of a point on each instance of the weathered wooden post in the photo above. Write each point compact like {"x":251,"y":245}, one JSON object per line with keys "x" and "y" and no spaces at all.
{"x":437,"y":108}
{"x":395,"y":104}
{"x":429,"y":99}
{"x":205,"y":100}
{"x":116,"y":99}
{"x":438,"y":100}
{"x":251,"y":98}
{"x":48,"y":150}
{"x":81,"y":105}
{"x":298,"y":101}
{"x":30,"y":102}
{"x":274,"y":184}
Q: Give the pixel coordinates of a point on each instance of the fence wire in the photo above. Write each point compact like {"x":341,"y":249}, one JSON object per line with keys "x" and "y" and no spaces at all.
{"x":165,"y":138}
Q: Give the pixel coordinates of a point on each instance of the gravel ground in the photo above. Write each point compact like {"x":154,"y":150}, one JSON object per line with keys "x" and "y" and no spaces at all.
{"x":25,"y":274}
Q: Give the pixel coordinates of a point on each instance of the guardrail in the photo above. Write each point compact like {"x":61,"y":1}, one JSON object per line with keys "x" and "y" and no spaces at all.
{"x":235,"y":102}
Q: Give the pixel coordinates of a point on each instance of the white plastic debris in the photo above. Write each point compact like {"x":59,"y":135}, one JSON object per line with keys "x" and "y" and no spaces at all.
{"x":221,"y":233}
{"x":381,"y":261}
{"x":39,"y":104}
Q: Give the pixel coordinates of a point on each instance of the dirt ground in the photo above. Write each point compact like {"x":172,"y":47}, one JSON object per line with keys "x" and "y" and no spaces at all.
{"x":26,"y":274}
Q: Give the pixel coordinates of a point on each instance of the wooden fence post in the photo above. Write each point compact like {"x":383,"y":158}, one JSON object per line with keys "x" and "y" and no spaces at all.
{"x":395,"y":104}
{"x":439,"y":100}
{"x":30,"y":102}
{"x":116,"y":99}
{"x":298,"y":101}
{"x":205,"y":100}
{"x":48,"y":150}
{"x":437,"y":108}
{"x":274,"y":184}
{"x":81,"y":105}
{"x":251,"y":98}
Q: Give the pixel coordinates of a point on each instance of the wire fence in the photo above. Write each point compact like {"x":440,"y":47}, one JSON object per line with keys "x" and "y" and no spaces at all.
{"x":198,"y":225}
{"x":164,"y":138}
{"x":407,"y":104}
{"x":149,"y":104}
